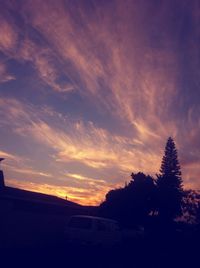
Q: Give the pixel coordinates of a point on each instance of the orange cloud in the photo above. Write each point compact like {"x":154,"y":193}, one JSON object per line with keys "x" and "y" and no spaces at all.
{"x":8,"y":155}
{"x":90,"y":147}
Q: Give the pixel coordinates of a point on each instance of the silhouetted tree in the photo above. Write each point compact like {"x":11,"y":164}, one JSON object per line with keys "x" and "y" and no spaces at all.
{"x":133,"y":203}
{"x":169,"y":184}
{"x":114,"y":204}
{"x":190,"y":207}
{"x":142,"y":191}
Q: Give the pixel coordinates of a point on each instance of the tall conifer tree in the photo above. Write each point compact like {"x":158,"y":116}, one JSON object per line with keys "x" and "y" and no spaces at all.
{"x":169,"y":183}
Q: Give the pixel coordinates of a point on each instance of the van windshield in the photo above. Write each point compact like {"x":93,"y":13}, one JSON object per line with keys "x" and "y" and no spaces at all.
{"x":80,"y":223}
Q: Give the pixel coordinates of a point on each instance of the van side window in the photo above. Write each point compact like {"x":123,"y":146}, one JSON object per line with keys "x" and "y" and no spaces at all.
{"x":101,"y":226}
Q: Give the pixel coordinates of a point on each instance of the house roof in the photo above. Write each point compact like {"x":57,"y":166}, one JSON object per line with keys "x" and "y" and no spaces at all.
{"x":19,"y":194}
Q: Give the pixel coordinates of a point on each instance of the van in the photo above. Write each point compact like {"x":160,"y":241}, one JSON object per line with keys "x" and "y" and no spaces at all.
{"x":90,"y":230}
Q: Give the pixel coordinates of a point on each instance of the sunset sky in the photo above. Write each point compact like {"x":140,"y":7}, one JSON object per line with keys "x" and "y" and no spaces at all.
{"x":91,"y":89}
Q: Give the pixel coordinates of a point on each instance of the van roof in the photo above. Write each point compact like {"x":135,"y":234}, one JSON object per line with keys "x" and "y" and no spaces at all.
{"x":94,"y":217}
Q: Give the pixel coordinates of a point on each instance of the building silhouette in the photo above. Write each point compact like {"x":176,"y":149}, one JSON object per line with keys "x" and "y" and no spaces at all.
{"x":2,"y":183}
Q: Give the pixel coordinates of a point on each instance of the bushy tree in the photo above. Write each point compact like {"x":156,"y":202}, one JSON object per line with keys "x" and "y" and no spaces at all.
{"x":169,"y":183}
{"x":142,"y":190}
{"x":191,"y":207}
{"x":132,"y":204}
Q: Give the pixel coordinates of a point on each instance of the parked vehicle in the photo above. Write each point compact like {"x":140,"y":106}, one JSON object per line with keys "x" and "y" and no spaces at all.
{"x":94,"y":231}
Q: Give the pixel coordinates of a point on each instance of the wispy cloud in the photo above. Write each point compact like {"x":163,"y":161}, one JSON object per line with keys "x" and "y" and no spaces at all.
{"x":8,"y":36}
{"x":8,"y":155}
{"x":46,"y":64}
{"x":107,"y":63}
{"x":20,"y":165}
{"x":4,"y":75}
{"x":79,"y":141}
{"x":82,"y":178}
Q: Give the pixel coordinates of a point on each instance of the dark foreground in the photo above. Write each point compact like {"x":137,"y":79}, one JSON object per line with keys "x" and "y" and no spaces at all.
{"x":154,"y":251}
{"x":30,"y":239}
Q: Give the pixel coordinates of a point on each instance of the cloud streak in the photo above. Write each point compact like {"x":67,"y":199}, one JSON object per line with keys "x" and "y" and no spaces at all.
{"x":78,"y":142}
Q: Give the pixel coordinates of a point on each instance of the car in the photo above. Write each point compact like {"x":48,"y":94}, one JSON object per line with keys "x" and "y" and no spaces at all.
{"x":92,"y":231}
